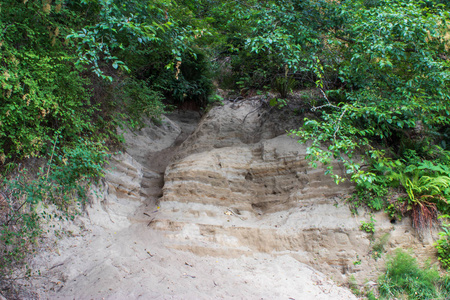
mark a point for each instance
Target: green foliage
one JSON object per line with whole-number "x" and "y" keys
{"x": 190, "y": 83}
{"x": 353, "y": 284}
{"x": 215, "y": 99}
{"x": 368, "y": 227}
{"x": 277, "y": 102}
{"x": 40, "y": 88}
{"x": 82, "y": 162}
{"x": 47, "y": 47}
{"x": 443, "y": 244}
{"x": 404, "y": 277}
{"x": 378, "y": 245}
{"x": 394, "y": 212}
{"x": 393, "y": 81}
{"x": 19, "y": 225}
{"x": 136, "y": 101}
{"x": 23, "y": 201}
{"x": 426, "y": 183}
{"x": 284, "y": 85}
{"x": 424, "y": 180}
{"x": 374, "y": 195}
{"x": 263, "y": 40}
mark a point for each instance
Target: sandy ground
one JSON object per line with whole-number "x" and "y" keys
{"x": 134, "y": 263}
{"x": 137, "y": 262}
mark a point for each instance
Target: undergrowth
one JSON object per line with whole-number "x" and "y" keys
{"x": 443, "y": 244}
{"x": 378, "y": 246}
{"x": 58, "y": 191}
{"x": 415, "y": 185}
{"x": 405, "y": 279}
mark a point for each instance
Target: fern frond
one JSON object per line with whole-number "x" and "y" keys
{"x": 434, "y": 185}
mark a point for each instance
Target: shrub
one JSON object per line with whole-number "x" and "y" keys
{"x": 136, "y": 101}
{"x": 41, "y": 90}
{"x": 191, "y": 82}
{"x": 75, "y": 168}
{"x": 415, "y": 186}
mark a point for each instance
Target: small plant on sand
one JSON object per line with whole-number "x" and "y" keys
{"x": 378, "y": 246}
{"x": 354, "y": 286}
{"x": 368, "y": 227}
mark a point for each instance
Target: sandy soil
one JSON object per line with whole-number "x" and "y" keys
{"x": 134, "y": 263}
{"x": 137, "y": 262}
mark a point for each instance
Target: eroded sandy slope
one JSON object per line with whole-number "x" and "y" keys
{"x": 233, "y": 211}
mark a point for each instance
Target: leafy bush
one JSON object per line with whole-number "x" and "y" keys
{"x": 75, "y": 168}
{"x": 215, "y": 100}
{"x": 374, "y": 195}
{"x": 41, "y": 89}
{"x": 136, "y": 101}
{"x": 265, "y": 39}
{"x": 382, "y": 100}
{"x": 191, "y": 82}
{"x": 47, "y": 50}
{"x": 404, "y": 276}
{"x": 412, "y": 185}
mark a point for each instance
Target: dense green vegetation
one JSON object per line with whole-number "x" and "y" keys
{"x": 404, "y": 278}
{"x": 72, "y": 71}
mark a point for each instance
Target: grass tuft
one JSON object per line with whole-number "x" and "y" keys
{"x": 405, "y": 279}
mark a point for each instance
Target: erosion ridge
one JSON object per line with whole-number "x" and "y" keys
{"x": 226, "y": 208}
